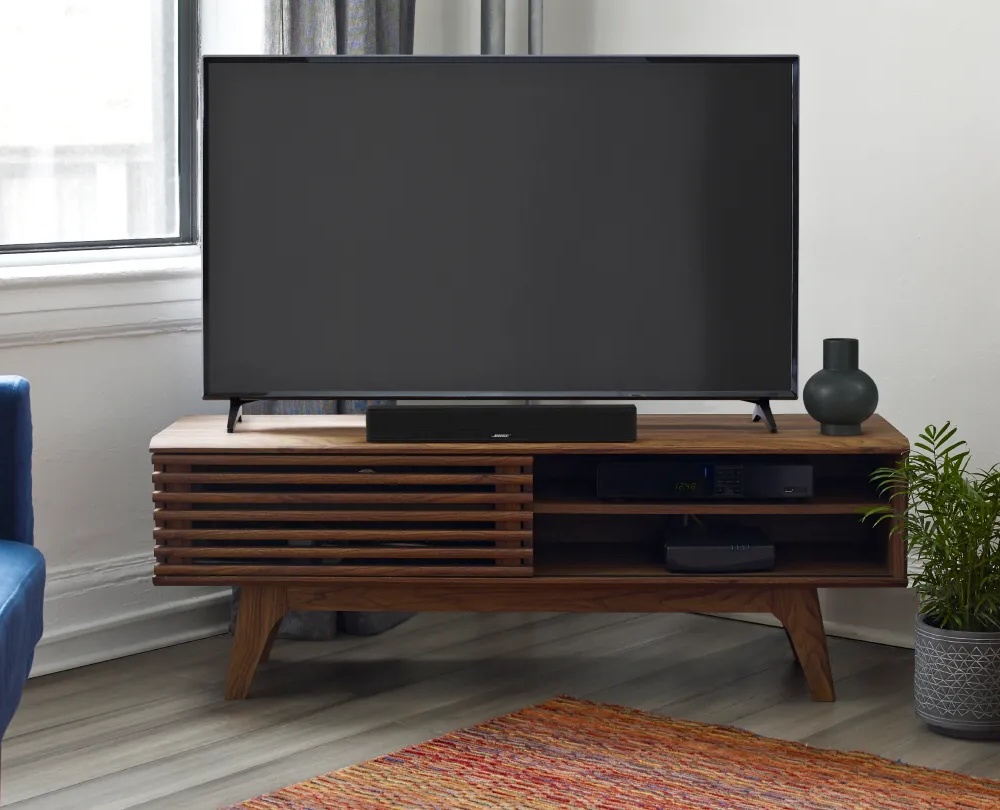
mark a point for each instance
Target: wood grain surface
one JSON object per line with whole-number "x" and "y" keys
{"x": 666, "y": 434}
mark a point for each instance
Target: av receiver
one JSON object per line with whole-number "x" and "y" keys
{"x": 657, "y": 480}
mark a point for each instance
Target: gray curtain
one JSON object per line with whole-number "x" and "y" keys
{"x": 327, "y": 28}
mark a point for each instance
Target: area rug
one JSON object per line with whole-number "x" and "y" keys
{"x": 569, "y": 753}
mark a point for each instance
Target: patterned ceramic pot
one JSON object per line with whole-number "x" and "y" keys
{"x": 957, "y": 681}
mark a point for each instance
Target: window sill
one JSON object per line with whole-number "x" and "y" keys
{"x": 88, "y": 295}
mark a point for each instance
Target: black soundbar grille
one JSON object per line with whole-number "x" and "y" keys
{"x": 501, "y": 423}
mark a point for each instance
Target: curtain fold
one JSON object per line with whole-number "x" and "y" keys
{"x": 348, "y": 27}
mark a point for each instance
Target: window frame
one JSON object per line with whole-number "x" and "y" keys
{"x": 185, "y": 56}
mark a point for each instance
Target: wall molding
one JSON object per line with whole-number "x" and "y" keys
{"x": 44, "y": 336}
{"x": 886, "y": 636}
{"x": 124, "y": 297}
{"x": 876, "y": 615}
{"x": 99, "y": 611}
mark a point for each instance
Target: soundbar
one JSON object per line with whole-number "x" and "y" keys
{"x": 418, "y": 424}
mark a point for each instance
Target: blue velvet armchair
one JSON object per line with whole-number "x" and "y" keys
{"x": 22, "y": 567}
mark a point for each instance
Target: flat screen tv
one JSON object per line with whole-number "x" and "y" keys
{"x": 500, "y": 227}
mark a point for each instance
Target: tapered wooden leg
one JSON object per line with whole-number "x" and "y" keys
{"x": 261, "y": 608}
{"x": 799, "y": 611}
{"x": 795, "y": 655}
{"x": 266, "y": 655}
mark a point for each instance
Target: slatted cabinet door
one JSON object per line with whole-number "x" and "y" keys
{"x": 306, "y": 515}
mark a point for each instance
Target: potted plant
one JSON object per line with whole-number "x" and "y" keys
{"x": 952, "y": 531}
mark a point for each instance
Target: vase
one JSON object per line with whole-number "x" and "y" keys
{"x": 840, "y": 396}
{"x": 956, "y": 681}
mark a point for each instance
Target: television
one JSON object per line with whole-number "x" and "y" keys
{"x": 568, "y": 228}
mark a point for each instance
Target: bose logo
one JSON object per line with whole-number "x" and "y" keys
{"x": 501, "y": 435}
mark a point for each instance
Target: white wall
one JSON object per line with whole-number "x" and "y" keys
{"x": 900, "y": 195}
{"x": 899, "y": 182}
{"x": 112, "y": 358}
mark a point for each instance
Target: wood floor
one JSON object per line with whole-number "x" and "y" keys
{"x": 152, "y": 731}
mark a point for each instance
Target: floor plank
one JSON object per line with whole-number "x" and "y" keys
{"x": 153, "y": 731}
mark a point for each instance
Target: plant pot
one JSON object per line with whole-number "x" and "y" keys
{"x": 840, "y": 396}
{"x": 956, "y": 681}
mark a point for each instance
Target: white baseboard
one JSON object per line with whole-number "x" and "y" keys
{"x": 878, "y": 615}
{"x": 104, "y": 610}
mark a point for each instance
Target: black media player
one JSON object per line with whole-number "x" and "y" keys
{"x": 645, "y": 480}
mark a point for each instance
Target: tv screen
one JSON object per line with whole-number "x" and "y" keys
{"x": 536, "y": 227}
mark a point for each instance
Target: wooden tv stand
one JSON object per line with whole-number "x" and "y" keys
{"x": 304, "y": 514}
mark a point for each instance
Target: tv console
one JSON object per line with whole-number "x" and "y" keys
{"x": 303, "y": 513}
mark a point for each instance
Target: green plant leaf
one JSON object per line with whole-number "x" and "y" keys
{"x": 951, "y": 522}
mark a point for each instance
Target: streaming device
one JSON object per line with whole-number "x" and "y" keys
{"x": 735, "y": 558}
{"x": 719, "y": 550}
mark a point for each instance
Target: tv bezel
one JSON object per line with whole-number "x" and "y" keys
{"x": 334, "y": 393}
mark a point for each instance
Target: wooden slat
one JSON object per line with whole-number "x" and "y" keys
{"x": 181, "y": 490}
{"x": 357, "y": 498}
{"x": 300, "y": 460}
{"x": 344, "y": 479}
{"x": 336, "y": 516}
{"x": 333, "y": 553}
{"x": 380, "y": 535}
{"x": 505, "y": 523}
{"x": 336, "y": 571}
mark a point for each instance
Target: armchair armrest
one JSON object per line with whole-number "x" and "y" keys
{"x": 16, "y": 513}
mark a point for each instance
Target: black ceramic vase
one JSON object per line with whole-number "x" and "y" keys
{"x": 841, "y": 396}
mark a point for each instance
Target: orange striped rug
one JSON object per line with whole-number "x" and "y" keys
{"x": 570, "y": 753}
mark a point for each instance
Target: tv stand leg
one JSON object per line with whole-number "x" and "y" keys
{"x": 762, "y": 410}
{"x": 262, "y": 607}
{"x": 799, "y": 611}
{"x": 235, "y": 404}
{"x": 791, "y": 644}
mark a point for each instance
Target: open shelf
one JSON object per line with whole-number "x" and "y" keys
{"x": 840, "y": 505}
{"x": 644, "y": 560}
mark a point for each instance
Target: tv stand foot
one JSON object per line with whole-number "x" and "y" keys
{"x": 795, "y": 655}
{"x": 235, "y": 404}
{"x": 799, "y": 611}
{"x": 262, "y": 607}
{"x": 762, "y": 410}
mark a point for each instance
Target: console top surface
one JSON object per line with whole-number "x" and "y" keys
{"x": 657, "y": 434}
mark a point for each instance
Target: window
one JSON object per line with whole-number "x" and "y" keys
{"x": 97, "y": 136}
